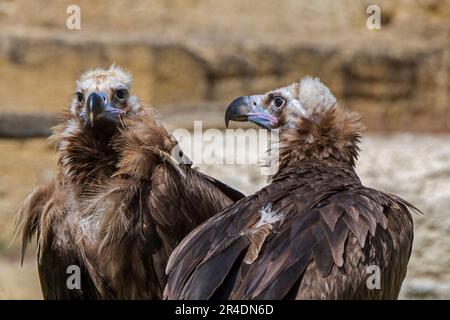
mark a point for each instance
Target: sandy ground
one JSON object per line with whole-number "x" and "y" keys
{"x": 416, "y": 167}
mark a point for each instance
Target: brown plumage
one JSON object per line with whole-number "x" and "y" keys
{"x": 314, "y": 231}
{"x": 120, "y": 201}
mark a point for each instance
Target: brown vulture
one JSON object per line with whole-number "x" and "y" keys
{"x": 121, "y": 201}
{"x": 315, "y": 232}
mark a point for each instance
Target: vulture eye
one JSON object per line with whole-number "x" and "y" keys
{"x": 278, "y": 103}
{"x": 121, "y": 94}
{"x": 80, "y": 97}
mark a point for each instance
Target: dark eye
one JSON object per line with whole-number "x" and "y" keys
{"x": 278, "y": 102}
{"x": 80, "y": 97}
{"x": 121, "y": 94}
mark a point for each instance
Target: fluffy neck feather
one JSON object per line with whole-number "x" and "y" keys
{"x": 333, "y": 138}
{"x": 143, "y": 143}
{"x": 83, "y": 156}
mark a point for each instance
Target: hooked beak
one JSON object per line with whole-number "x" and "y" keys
{"x": 246, "y": 108}
{"x": 99, "y": 111}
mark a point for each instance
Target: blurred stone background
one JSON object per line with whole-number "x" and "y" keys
{"x": 190, "y": 57}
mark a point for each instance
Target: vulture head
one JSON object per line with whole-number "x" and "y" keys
{"x": 87, "y": 137}
{"x": 310, "y": 122}
{"x": 103, "y": 98}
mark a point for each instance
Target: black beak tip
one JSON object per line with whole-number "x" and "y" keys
{"x": 237, "y": 110}
{"x": 95, "y": 105}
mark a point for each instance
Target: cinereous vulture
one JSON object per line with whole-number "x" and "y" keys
{"x": 315, "y": 232}
{"x": 120, "y": 202}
